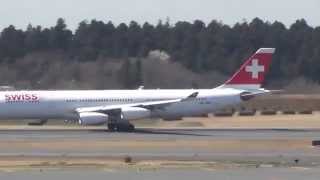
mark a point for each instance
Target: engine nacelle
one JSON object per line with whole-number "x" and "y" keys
{"x": 133, "y": 113}
{"x": 92, "y": 118}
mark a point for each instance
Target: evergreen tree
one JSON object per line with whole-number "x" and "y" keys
{"x": 198, "y": 46}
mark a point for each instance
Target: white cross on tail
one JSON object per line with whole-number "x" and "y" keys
{"x": 255, "y": 69}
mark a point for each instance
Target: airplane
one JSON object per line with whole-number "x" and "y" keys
{"x": 117, "y": 108}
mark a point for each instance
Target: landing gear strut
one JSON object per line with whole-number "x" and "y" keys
{"x": 112, "y": 127}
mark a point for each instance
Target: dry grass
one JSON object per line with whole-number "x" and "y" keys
{"x": 259, "y": 121}
{"x": 295, "y": 102}
{"x": 297, "y": 121}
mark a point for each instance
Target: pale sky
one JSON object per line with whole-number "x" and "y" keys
{"x": 45, "y": 12}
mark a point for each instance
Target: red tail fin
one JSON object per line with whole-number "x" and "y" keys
{"x": 252, "y": 73}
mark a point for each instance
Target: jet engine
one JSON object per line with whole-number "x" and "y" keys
{"x": 92, "y": 118}
{"x": 133, "y": 113}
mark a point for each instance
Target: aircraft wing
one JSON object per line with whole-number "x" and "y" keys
{"x": 147, "y": 105}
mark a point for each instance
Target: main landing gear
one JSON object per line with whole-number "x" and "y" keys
{"x": 121, "y": 127}
{"x": 118, "y": 123}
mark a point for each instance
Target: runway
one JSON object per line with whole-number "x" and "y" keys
{"x": 161, "y": 174}
{"x": 165, "y": 144}
{"x": 159, "y": 134}
{"x": 79, "y": 153}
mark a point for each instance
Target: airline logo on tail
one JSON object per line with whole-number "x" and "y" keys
{"x": 255, "y": 69}
{"x": 252, "y": 73}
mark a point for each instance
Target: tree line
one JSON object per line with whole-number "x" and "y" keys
{"x": 198, "y": 46}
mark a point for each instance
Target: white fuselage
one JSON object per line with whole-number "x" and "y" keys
{"x": 62, "y": 104}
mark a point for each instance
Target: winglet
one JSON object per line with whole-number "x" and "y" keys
{"x": 193, "y": 95}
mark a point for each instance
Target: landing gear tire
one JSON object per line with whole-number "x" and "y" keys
{"x": 131, "y": 127}
{"x": 121, "y": 127}
{"x": 125, "y": 128}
